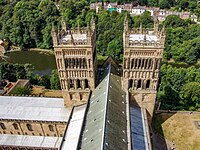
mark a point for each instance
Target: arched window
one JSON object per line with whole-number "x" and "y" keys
{"x": 132, "y": 64}
{"x": 86, "y": 83}
{"x": 84, "y": 63}
{"x": 139, "y": 85}
{"x": 29, "y": 127}
{"x": 81, "y": 97}
{"x": 139, "y": 63}
{"x": 142, "y": 63}
{"x": 135, "y": 65}
{"x": 78, "y": 83}
{"x": 15, "y": 125}
{"x": 148, "y": 84}
{"x": 130, "y": 84}
{"x": 3, "y": 126}
{"x": 51, "y": 128}
{"x": 66, "y": 63}
{"x": 71, "y": 85}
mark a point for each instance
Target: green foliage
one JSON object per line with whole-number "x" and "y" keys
{"x": 190, "y": 95}
{"x": 153, "y": 3}
{"x": 44, "y": 81}
{"x": 22, "y": 91}
{"x": 109, "y": 34}
{"x": 54, "y": 80}
{"x": 174, "y": 92}
{"x": 182, "y": 43}
{"x": 145, "y": 19}
{"x": 12, "y": 72}
{"x": 26, "y": 23}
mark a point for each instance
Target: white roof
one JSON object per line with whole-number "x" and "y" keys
{"x": 76, "y": 37}
{"x": 140, "y": 37}
{"x": 33, "y": 108}
{"x": 30, "y": 141}
{"x": 72, "y": 135}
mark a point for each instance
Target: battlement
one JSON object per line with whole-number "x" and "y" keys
{"x": 76, "y": 36}
{"x": 143, "y": 37}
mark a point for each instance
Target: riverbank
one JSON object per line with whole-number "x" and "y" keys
{"x": 31, "y": 49}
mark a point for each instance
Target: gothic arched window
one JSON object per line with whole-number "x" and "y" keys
{"x": 148, "y": 84}
{"x": 130, "y": 84}
{"x": 78, "y": 83}
{"x": 139, "y": 84}
{"x": 86, "y": 83}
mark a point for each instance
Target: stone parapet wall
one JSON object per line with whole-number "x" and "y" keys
{"x": 35, "y": 128}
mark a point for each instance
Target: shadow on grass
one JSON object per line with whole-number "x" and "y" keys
{"x": 158, "y": 140}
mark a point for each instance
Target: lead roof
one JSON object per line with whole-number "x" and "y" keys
{"x": 105, "y": 124}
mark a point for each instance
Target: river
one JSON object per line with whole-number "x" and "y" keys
{"x": 43, "y": 62}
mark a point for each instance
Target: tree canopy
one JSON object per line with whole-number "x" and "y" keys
{"x": 179, "y": 88}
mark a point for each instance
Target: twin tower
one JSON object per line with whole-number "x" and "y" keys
{"x": 75, "y": 52}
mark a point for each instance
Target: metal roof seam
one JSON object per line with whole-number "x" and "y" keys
{"x": 106, "y": 105}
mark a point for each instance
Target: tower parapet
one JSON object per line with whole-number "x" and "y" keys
{"x": 76, "y": 61}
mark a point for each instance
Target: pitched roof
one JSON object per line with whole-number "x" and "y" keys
{"x": 105, "y": 124}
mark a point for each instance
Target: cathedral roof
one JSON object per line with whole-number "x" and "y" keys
{"x": 105, "y": 124}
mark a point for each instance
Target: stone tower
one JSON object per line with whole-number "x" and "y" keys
{"x": 143, "y": 50}
{"x": 76, "y": 61}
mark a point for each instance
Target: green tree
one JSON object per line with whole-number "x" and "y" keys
{"x": 114, "y": 49}
{"x": 22, "y": 91}
{"x": 190, "y": 95}
{"x": 164, "y": 4}
{"x": 54, "y": 80}
{"x": 153, "y": 2}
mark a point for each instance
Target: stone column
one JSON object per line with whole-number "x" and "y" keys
{"x": 134, "y": 63}
{"x": 145, "y": 61}
{"x": 126, "y": 64}
{"x": 83, "y": 84}
{"x": 137, "y": 64}
{"x": 149, "y": 63}
{"x": 158, "y": 64}
{"x": 75, "y": 84}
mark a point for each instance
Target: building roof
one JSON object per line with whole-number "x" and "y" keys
{"x": 139, "y": 130}
{"x": 105, "y": 124}
{"x": 34, "y": 108}
{"x": 76, "y": 37}
{"x": 140, "y": 37}
{"x": 71, "y": 137}
{"x": 30, "y": 141}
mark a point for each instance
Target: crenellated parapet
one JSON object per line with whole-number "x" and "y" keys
{"x": 143, "y": 37}
{"x": 74, "y": 36}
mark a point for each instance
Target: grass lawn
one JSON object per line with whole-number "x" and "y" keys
{"x": 41, "y": 91}
{"x": 179, "y": 128}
